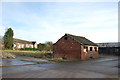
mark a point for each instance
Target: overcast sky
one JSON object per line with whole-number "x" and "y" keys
{"x": 48, "y": 21}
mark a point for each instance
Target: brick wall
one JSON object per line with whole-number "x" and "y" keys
{"x": 72, "y": 49}
{"x": 86, "y": 55}
{"x": 67, "y": 48}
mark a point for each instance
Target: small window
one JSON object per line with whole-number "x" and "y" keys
{"x": 95, "y": 48}
{"x": 90, "y": 48}
{"x": 65, "y": 38}
{"x": 85, "y": 49}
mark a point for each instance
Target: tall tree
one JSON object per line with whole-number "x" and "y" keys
{"x": 41, "y": 47}
{"x": 49, "y": 46}
{"x": 8, "y": 39}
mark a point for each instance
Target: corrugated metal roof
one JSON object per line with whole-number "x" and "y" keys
{"x": 109, "y": 44}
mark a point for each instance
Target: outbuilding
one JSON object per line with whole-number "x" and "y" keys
{"x": 75, "y": 47}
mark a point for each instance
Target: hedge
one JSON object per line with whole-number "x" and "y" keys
{"x": 30, "y": 49}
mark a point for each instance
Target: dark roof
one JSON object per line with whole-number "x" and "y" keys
{"x": 16, "y": 40}
{"x": 21, "y": 41}
{"x": 82, "y": 40}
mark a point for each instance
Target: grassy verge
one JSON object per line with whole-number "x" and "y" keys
{"x": 65, "y": 60}
{"x": 61, "y": 60}
{"x": 24, "y": 51}
{"x": 53, "y": 60}
{"x": 36, "y": 54}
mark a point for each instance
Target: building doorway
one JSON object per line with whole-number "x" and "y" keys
{"x": 91, "y": 52}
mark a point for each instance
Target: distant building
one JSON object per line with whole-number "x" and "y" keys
{"x": 109, "y": 44}
{"x": 76, "y": 47}
{"x": 21, "y": 44}
{"x": 109, "y": 48}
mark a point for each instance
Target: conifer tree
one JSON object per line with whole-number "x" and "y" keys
{"x": 8, "y": 39}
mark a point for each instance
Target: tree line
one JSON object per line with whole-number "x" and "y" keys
{"x": 48, "y": 46}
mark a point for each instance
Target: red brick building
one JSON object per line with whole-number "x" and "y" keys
{"x": 75, "y": 47}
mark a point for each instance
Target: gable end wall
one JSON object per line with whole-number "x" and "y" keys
{"x": 67, "y": 48}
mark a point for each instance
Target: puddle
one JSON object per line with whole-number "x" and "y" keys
{"x": 21, "y": 61}
{"x": 32, "y": 59}
{"x": 41, "y": 60}
{"x": 9, "y": 62}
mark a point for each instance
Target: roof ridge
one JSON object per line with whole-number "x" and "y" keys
{"x": 22, "y": 40}
{"x": 81, "y": 39}
{"x": 73, "y": 35}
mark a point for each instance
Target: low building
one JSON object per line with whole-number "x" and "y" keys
{"x": 21, "y": 44}
{"x": 75, "y": 47}
{"x": 109, "y": 48}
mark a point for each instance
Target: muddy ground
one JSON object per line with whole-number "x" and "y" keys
{"x": 104, "y": 67}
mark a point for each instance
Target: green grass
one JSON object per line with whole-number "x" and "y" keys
{"x": 36, "y": 54}
{"x": 24, "y": 51}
